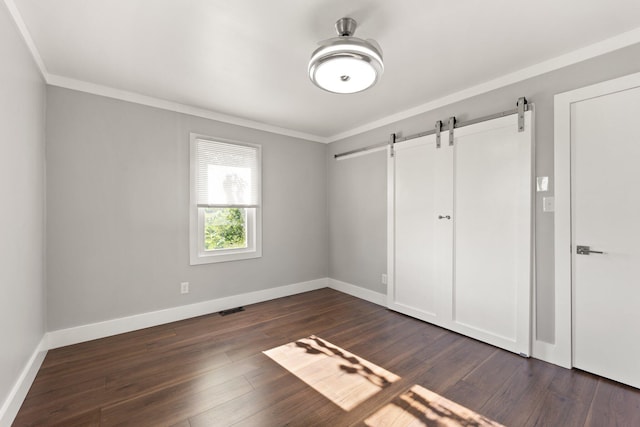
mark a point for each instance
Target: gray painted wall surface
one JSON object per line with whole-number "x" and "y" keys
{"x": 118, "y": 211}
{"x": 357, "y": 186}
{"x": 22, "y": 92}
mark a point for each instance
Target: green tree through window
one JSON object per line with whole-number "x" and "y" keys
{"x": 225, "y": 228}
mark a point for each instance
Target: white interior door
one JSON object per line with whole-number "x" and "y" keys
{"x": 419, "y": 187}
{"x": 605, "y": 144}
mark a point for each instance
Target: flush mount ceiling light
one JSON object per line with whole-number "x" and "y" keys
{"x": 346, "y": 64}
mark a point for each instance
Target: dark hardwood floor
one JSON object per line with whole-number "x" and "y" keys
{"x": 210, "y": 371}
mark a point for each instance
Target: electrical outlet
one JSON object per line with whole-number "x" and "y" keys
{"x": 184, "y": 287}
{"x": 383, "y": 279}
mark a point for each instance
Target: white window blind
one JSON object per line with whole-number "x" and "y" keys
{"x": 227, "y": 175}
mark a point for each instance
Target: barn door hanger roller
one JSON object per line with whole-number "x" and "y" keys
{"x": 522, "y": 106}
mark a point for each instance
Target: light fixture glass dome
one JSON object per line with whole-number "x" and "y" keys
{"x": 346, "y": 64}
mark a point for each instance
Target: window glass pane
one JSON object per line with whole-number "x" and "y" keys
{"x": 225, "y": 228}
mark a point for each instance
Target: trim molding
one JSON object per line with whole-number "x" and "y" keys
{"x": 358, "y": 292}
{"x": 149, "y": 101}
{"x": 75, "y": 335}
{"x": 26, "y": 36}
{"x": 78, "y": 334}
{"x": 18, "y": 392}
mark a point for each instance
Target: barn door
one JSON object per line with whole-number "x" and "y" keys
{"x": 420, "y": 201}
{"x": 460, "y": 227}
{"x": 491, "y": 290}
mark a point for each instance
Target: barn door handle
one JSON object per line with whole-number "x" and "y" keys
{"x": 586, "y": 250}
{"x": 444, "y": 217}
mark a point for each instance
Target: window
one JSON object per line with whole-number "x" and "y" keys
{"x": 225, "y": 214}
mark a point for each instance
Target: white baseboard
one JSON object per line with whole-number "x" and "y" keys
{"x": 75, "y": 335}
{"x": 358, "y": 292}
{"x": 121, "y": 325}
{"x": 19, "y": 391}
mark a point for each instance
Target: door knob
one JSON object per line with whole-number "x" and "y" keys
{"x": 586, "y": 250}
{"x": 444, "y": 217}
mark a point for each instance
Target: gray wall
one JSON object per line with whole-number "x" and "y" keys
{"x": 118, "y": 211}
{"x": 22, "y": 309}
{"x": 357, "y": 186}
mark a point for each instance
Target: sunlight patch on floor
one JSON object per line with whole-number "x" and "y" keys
{"x": 419, "y": 407}
{"x": 345, "y": 379}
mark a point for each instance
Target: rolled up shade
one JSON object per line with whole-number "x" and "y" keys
{"x": 228, "y": 175}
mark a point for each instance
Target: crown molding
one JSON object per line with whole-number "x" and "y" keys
{"x": 26, "y": 36}
{"x": 600, "y": 48}
{"x": 123, "y": 95}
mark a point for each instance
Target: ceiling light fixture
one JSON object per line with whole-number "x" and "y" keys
{"x": 346, "y": 64}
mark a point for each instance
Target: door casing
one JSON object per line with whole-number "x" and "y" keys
{"x": 560, "y": 353}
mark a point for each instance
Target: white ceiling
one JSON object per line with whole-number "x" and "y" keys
{"x": 248, "y": 58}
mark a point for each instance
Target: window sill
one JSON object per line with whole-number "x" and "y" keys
{"x": 225, "y": 257}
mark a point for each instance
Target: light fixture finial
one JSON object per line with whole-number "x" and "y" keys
{"x": 346, "y": 27}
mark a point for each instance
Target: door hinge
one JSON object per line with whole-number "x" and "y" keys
{"x": 438, "y": 130}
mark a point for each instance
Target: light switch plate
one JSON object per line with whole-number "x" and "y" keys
{"x": 548, "y": 204}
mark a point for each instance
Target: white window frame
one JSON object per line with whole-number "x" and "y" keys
{"x": 197, "y": 254}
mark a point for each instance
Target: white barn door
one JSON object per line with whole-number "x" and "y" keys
{"x": 419, "y": 192}
{"x": 460, "y": 231}
{"x": 491, "y": 291}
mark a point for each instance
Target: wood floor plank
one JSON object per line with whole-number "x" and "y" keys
{"x": 141, "y": 379}
{"x": 558, "y": 410}
{"x": 344, "y": 378}
{"x": 88, "y": 419}
{"x": 296, "y": 410}
{"x": 614, "y": 404}
{"x": 211, "y": 371}
{"x": 568, "y": 401}
{"x": 477, "y": 387}
{"x": 270, "y": 387}
{"x": 522, "y": 394}
{"x": 175, "y": 403}
{"x": 575, "y": 385}
{"x": 61, "y": 410}
{"x": 419, "y": 406}
{"x": 454, "y": 364}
